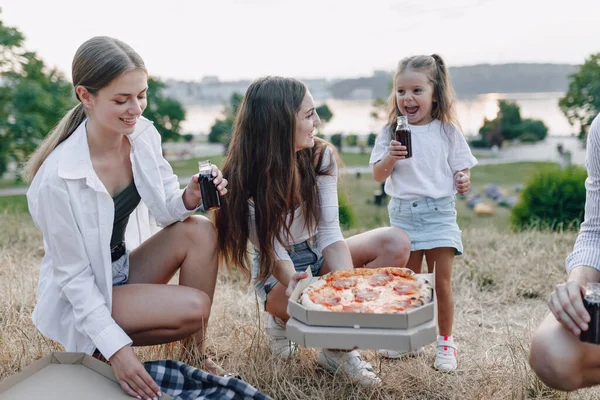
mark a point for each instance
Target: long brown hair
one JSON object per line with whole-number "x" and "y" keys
{"x": 96, "y": 64}
{"x": 262, "y": 165}
{"x": 443, "y": 92}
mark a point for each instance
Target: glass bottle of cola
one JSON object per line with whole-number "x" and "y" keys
{"x": 403, "y": 134}
{"x": 208, "y": 190}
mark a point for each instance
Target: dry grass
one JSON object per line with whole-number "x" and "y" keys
{"x": 501, "y": 286}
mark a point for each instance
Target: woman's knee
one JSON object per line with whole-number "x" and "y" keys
{"x": 556, "y": 362}
{"x": 397, "y": 243}
{"x": 197, "y": 305}
{"x": 200, "y": 230}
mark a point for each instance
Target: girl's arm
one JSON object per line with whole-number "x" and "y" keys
{"x": 72, "y": 271}
{"x": 174, "y": 195}
{"x": 328, "y": 229}
{"x": 283, "y": 272}
{"x": 385, "y": 154}
{"x": 383, "y": 169}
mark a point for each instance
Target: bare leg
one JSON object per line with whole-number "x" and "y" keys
{"x": 415, "y": 262}
{"x": 560, "y": 360}
{"x": 381, "y": 247}
{"x": 152, "y": 312}
{"x": 443, "y": 258}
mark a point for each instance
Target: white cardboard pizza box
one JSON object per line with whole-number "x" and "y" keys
{"x": 340, "y": 330}
{"x": 64, "y": 376}
{"x": 405, "y": 320}
{"x": 329, "y": 337}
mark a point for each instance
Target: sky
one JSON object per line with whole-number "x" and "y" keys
{"x": 235, "y": 39}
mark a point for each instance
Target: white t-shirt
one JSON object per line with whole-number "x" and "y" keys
{"x": 328, "y": 228}
{"x": 439, "y": 151}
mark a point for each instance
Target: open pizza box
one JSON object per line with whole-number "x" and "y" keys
{"x": 405, "y": 331}
{"x": 64, "y": 376}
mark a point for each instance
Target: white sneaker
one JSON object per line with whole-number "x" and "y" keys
{"x": 393, "y": 354}
{"x": 349, "y": 363}
{"x": 445, "y": 356}
{"x": 280, "y": 346}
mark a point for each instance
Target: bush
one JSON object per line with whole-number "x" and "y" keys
{"x": 346, "y": 212}
{"x": 336, "y": 140}
{"x": 352, "y": 140}
{"x": 371, "y": 139}
{"x": 552, "y": 199}
{"x": 479, "y": 143}
{"x": 533, "y": 128}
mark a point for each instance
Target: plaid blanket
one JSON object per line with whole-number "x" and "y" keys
{"x": 184, "y": 382}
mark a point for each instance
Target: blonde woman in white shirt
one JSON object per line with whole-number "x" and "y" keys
{"x": 423, "y": 187}
{"x": 100, "y": 189}
{"x": 283, "y": 199}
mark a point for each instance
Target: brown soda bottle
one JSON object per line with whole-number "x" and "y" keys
{"x": 403, "y": 134}
{"x": 208, "y": 190}
{"x": 591, "y": 302}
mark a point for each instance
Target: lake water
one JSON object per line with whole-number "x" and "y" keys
{"x": 354, "y": 116}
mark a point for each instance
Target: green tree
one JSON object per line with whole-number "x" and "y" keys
{"x": 352, "y": 139}
{"x": 167, "y": 113}
{"x": 509, "y": 125}
{"x": 325, "y": 114}
{"x": 33, "y": 98}
{"x": 221, "y": 129}
{"x": 582, "y": 100}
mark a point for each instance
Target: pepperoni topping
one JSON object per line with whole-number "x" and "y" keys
{"x": 404, "y": 288}
{"x": 362, "y": 295}
{"x": 379, "y": 279}
{"x": 328, "y": 300}
{"x": 396, "y": 306}
{"x": 343, "y": 283}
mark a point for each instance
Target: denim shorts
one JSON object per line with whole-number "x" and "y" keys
{"x": 120, "y": 270}
{"x": 429, "y": 223}
{"x": 303, "y": 255}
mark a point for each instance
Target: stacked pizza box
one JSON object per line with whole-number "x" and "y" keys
{"x": 406, "y": 331}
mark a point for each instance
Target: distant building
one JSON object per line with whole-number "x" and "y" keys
{"x": 210, "y": 79}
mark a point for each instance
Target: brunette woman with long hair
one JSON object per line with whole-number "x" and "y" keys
{"x": 283, "y": 199}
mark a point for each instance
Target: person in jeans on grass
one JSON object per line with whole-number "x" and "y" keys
{"x": 283, "y": 199}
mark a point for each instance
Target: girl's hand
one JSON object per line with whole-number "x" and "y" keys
{"x": 566, "y": 304}
{"x": 132, "y": 376}
{"x": 192, "y": 196}
{"x": 462, "y": 182}
{"x": 297, "y": 277}
{"x": 219, "y": 181}
{"x": 397, "y": 150}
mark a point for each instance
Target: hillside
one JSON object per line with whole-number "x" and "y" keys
{"x": 467, "y": 80}
{"x": 471, "y": 80}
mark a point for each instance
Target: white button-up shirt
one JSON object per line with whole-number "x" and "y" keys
{"x": 75, "y": 213}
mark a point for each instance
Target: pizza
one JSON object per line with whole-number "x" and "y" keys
{"x": 388, "y": 290}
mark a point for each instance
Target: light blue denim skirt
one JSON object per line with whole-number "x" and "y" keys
{"x": 429, "y": 223}
{"x": 303, "y": 255}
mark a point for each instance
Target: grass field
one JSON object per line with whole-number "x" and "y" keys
{"x": 501, "y": 285}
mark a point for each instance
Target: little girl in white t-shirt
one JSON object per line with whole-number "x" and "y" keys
{"x": 423, "y": 187}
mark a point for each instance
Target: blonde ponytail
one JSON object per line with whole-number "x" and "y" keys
{"x": 65, "y": 127}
